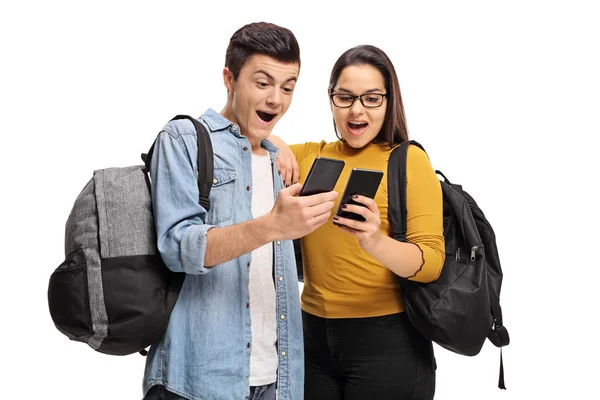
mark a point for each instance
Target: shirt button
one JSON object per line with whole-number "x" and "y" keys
{"x": 248, "y": 188}
{"x": 248, "y": 345}
{"x": 215, "y": 181}
{"x": 282, "y": 316}
{"x": 280, "y": 278}
{"x": 283, "y": 353}
{"x": 248, "y": 265}
{"x": 278, "y": 243}
{"x": 245, "y": 148}
{"x": 247, "y": 305}
{"x": 234, "y": 128}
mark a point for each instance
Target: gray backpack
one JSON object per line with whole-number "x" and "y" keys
{"x": 113, "y": 290}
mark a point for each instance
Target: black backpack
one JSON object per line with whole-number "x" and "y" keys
{"x": 461, "y": 308}
{"x": 113, "y": 290}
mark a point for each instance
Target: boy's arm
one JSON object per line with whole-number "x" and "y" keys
{"x": 291, "y": 217}
{"x": 186, "y": 243}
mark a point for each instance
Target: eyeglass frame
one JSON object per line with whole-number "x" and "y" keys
{"x": 359, "y": 97}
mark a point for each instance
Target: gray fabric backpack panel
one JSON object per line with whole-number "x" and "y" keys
{"x": 124, "y": 212}
{"x": 81, "y": 245}
{"x": 81, "y": 230}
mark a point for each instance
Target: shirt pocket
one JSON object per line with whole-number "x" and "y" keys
{"x": 221, "y": 196}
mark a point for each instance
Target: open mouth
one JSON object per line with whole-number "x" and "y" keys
{"x": 357, "y": 128}
{"x": 265, "y": 116}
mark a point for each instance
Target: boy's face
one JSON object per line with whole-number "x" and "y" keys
{"x": 260, "y": 96}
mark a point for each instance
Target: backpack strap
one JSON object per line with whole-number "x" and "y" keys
{"x": 397, "y": 189}
{"x": 205, "y": 177}
{"x": 205, "y": 160}
{"x": 499, "y": 336}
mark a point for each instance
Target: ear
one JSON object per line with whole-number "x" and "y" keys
{"x": 228, "y": 79}
{"x": 330, "y": 102}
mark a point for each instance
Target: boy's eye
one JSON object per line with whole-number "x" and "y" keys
{"x": 263, "y": 84}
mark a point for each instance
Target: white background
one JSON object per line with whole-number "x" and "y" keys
{"x": 503, "y": 95}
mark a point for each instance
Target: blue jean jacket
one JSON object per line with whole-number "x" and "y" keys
{"x": 205, "y": 353}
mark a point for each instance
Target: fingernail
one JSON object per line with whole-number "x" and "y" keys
{"x": 336, "y": 218}
{"x": 344, "y": 206}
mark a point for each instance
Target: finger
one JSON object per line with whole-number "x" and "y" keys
{"x": 285, "y": 175}
{"x": 281, "y": 170}
{"x": 319, "y": 209}
{"x": 370, "y": 203}
{"x": 295, "y": 171}
{"x": 293, "y": 190}
{"x": 319, "y": 198}
{"x": 319, "y": 220}
{"x": 360, "y": 210}
{"x": 347, "y": 230}
{"x": 350, "y": 223}
{"x": 289, "y": 174}
{"x": 278, "y": 164}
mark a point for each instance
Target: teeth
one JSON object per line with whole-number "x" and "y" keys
{"x": 358, "y": 124}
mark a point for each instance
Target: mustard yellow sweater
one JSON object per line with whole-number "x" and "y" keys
{"x": 341, "y": 280}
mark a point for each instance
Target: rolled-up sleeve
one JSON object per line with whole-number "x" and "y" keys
{"x": 424, "y": 206}
{"x": 179, "y": 218}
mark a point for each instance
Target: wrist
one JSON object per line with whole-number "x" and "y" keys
{"x": 371, "y": 243}
{"x": 269, "y": 227}
{"x": 276, "y": 141}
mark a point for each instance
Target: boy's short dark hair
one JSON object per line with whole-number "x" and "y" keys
{"x": 261, "y": 38}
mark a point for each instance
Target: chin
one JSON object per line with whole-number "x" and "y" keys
{"x": 356, "y": 142}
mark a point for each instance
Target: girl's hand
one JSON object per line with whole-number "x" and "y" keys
{"x": 287, "y": 164}
{"x": 368, "y": 231}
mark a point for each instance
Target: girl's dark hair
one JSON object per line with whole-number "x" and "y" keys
{"x": 394, "y": 130}
{"x": 260, "y": 38}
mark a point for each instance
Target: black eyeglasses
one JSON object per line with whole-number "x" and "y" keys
{"x": 368, "y": 100}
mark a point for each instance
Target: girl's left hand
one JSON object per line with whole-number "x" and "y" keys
{"x": 367, "y": 231}
{"x": 287, "y": 165}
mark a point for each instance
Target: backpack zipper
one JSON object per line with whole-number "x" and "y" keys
{"x": 458, "y": 254}
{"x": 473, "y": 250}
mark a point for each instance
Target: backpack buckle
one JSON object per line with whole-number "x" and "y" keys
{"x": 499, "y": 336}
{"x": 205, "y": 202}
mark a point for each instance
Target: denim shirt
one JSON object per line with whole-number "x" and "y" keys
{"x": 205, "y": 353}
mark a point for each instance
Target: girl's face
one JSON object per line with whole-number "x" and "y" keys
{"x": 359, "y": 123}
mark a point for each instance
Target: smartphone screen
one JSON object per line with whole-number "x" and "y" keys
{"x": 323, "y": 176}
{"x": 364, "y": 182}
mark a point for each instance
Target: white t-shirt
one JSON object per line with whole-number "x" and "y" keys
{"x": 263, "y": 360}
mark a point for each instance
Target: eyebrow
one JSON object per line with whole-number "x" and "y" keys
{"x": 270, "y": 77}
{"x": 365, "y": 92}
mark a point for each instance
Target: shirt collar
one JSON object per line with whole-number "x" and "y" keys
{"x": 217, "y": 122}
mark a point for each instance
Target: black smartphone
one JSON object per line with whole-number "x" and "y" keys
{"x": 323, "y": 176}
{"x": 364, "y": 182}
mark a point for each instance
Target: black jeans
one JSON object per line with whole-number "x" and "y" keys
{"x": 367, "y": 358}
{"x": 266, "y": 392}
